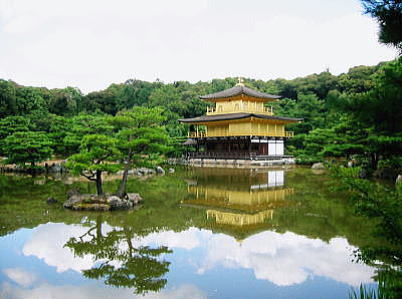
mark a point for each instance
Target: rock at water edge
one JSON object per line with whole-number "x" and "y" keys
{"x": 160, "y": 170}
{"x": 135, "y": 198}
{"x": 318, "y": 166}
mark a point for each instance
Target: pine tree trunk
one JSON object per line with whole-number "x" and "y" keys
{"x": 121, "y": 191}
{"x": 99, "y": 182}
{"x": 99, "y": 222}
{"x": 122, "y": 187}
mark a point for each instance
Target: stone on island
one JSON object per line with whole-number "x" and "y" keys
{"x": 92, "y": 202}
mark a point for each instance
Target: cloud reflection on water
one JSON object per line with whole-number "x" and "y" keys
{"x": 48, "y": 291}
{"x": 283, "y": 259}
{"x": 20, "y": 276}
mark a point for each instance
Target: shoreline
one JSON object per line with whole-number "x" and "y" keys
{"x": 232, "y": 163}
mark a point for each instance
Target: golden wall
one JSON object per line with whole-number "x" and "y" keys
{"x": 240, "y": 129}
{"x": 237, "y": 105}
{"x": 245, "y": 128}
{"x": 267, "y": 129}
{"x": 217, "y": 130}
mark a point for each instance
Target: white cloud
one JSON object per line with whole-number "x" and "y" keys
{"x": 287, "y": 259}
{"x": 20, "y": 276}
{"x": 90, "y": 44}
{"x": 48, "y": 291}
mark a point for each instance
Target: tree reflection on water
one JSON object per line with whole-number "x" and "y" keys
{"x": 120, "y": 263}
{"x": 381, "y": 205}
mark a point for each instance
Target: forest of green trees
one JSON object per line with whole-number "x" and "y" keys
{"x": 355, "y": 115}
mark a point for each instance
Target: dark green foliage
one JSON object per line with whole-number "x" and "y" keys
{"x": 357, "y": 79}
{"x": 10, "y": 125}
{"x": 380, "y": 107}
{"x": 141, "y": 139}
{"x": 8, "y": 104}
{"x": 133, "y": 137}
{"x": 97, "y": 155}
{"x": 136, "y": 93}
{"x": 389, "y": 16}
{"x": 141, "y": 135}
{"x": 77, "y": 127}
{"x": 27, "y": 147}
{"x": 106, "y": 101}
{"x": 363, "y": 122}
{"x": 180, "y": 98}
{"x": 377, "y": 114}
{"x": 307, "y": 106}
{"x": 67, "y": 101}
{"x": 29, "y": 100}
{"x": 59, "y": 128}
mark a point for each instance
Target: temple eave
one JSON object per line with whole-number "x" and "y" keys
{"x": 237, "y": 116}
{"x": 239, "y": 90}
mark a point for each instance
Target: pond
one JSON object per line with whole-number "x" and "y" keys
{"x": 200, "y": 233}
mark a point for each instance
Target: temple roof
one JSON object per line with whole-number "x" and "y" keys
{"x": 238, "y": 90}
{"x": 232, "y": 116}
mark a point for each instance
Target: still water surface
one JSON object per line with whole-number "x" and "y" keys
{"x": 200, "y": 233}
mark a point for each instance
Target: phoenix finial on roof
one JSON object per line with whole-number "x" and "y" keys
{"x": 240, "y": 81}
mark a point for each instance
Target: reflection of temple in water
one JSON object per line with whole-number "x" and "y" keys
{"x": 239, "y": 219}
{"x": 240, "y": 199}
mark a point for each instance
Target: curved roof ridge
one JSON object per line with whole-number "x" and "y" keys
{"x": 238, "y": 90}
{"x": 232, "y": 116}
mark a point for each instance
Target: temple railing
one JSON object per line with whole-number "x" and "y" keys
{"x": 289, "y": 134}
{"x": 233, "y": 155}
{"x": 194, "y": 134}
{"x": 197, "y": 134}
{"x": 263, "y": 110}
{"x": 211, "y": 110}
{"x": 222, "y": 155}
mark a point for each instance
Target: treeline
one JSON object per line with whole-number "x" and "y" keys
{"x": 356, "y": 114}
{"x": 359, "y": 119}
{"x": 180, "y": 97}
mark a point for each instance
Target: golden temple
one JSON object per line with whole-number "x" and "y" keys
{"x": 240, "y": 125}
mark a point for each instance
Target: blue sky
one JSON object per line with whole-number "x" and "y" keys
{"x": 91, "y": 44}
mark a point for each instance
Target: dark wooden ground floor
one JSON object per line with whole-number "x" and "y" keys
{"x": 253, "y": 148}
